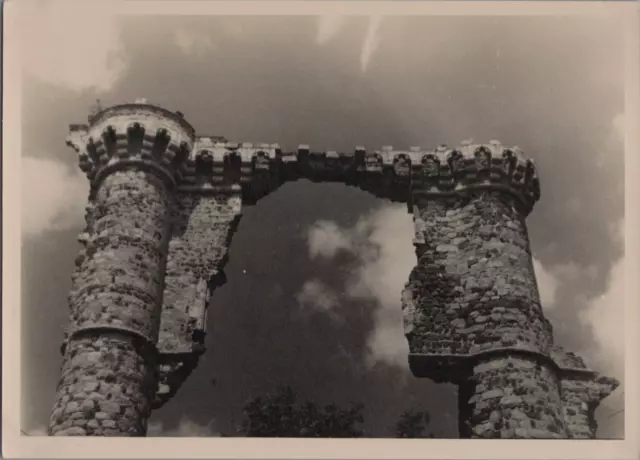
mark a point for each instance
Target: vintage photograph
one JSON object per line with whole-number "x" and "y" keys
{"x": 322, "y": 225}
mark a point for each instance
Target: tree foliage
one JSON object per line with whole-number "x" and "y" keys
{"x": 281, "y": 414}
{"x": 413, "y": 424}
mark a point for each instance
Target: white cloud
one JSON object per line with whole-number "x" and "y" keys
{"x": 386, "y": 259}
{"x": 238, "y": 29}
{"x": 547, "y": 285}
{"x": 186, "y": 428}
{"x": 551, "y": 278}
{"x": 328, "y": 27}
{"x": 619, "y": 125}
{"x": 193, "y": 44}
{"x": 382, "y": 243}
{"x": 53, "y": 196}
{"x": 605, "y": 315}
{"x": 74, "y": 44}
{"x": 613, "y": 147}
{"x": 326, "y": 239}
{"x": 371, "y": 41}
{"x": 317, "y": 296}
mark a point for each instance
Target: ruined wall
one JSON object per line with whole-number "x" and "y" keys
{"x": 202, "y": 227}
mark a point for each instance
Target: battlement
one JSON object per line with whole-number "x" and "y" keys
{"x": 215, "y": 164}
{"x": 156, "y": 137}
{"x": 392, "y": 174}
{"x": 137, "y": 132}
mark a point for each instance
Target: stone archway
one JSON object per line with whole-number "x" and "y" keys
{"x": 163, "y": 208}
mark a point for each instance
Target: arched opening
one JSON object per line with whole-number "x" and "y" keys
{"x": 312, "y": 301}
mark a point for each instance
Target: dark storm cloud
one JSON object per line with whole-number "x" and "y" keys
{"x": 551, "y": 85}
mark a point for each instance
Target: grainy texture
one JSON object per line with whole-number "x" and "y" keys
{"x": 132, "y": 156}
{"x": 117, "y": 286}
{"x": 202, "y": 227}
{"x": 512, "y": 397}
{"x": 121, "y": 265}
{"x": 473, "y": 288}
{"x": 165, "y": 204}
{"x": 581, "y": 390}
{"x": 105, "y": 388}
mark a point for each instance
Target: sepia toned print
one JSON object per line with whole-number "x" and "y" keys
{"x": 163, "y": 207}
{"x": 352, "y": 233}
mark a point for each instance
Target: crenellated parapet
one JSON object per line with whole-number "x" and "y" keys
{"x": 397, "y": 175}
{"x": 136, "y": 133}
{"x": 474, "y": 167}
{"x": 157, "y": 138}
{"x": 161, "y": 139}
{"x": 216, "y": 164}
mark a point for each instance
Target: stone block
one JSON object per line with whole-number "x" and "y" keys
{"x": 73, "y": 406}
{"x": 93, "y": 424}
{"x": 71, "y": 431}
{"x": 108, "y": 423}
{"x": 517, "y": 414}
{"x": 495, "y": 393}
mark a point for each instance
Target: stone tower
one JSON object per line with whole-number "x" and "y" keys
{"x": 164, "y": 204}
{"x": 472, "y": 309}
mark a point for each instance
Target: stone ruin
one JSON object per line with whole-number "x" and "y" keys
{"x": 164, "y": 204}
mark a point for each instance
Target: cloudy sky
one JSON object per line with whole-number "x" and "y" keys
{"x": 316, "y": 270}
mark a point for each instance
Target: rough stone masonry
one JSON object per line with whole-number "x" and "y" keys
{"x": 163, "y": 207}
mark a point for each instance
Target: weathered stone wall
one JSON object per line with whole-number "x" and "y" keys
{"x": 565, "y": 359}
{"x": 472, "y": 292}
{"x": 582, "y": 390}
{"x": 579, "y": 408}
{"x": 202, "y": 227}
{"x": 117, "y": 286}
{"x": 119, "y": 277}
{"x": 512, "y": 397}
{"x": 105, "y": 388}
{"x": 474, "y": 288}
